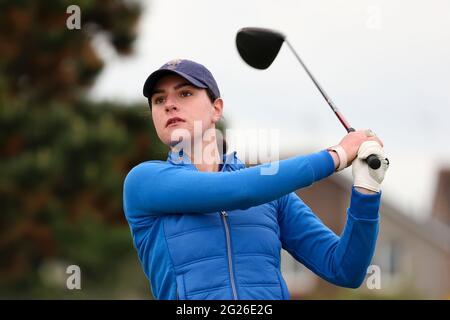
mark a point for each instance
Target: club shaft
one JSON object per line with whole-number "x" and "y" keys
{"x": 322, "y": 92}
{"x": 372, "y": 160}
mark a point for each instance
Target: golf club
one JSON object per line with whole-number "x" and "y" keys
{"x": 259, "y": 47}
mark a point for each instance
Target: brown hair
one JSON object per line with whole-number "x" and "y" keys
{"x": 222, "y": 145}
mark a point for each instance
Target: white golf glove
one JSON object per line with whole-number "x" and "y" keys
{"x": 363, "y": 175}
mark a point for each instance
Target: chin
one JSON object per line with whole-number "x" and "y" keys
{"x": 179, "y": 136}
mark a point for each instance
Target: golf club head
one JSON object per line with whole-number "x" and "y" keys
{"x": 258, "y": 46}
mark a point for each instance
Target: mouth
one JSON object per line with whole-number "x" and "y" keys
{"x": 174, "y": 121}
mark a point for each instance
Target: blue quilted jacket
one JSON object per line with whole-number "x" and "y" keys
{"x": 218, "y": 235}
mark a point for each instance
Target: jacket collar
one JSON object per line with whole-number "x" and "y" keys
{"x": 230, "y": 161}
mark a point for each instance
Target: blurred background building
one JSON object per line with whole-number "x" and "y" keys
{"x": 413, "y": 257}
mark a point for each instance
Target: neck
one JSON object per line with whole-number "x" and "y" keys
{"x": 205, "y": 156}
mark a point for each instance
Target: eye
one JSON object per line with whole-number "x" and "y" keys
{"x": 158, "y": 100}
{"x": 185, "y": 93}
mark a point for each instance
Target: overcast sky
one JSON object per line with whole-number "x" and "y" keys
{"x": 385, "y": 64}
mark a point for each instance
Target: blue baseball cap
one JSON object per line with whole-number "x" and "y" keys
{"x": 198, "y": 75}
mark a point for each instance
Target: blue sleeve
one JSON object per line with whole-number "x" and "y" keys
{"x": 152, "y": 189}
{"x": 340, "y": 260}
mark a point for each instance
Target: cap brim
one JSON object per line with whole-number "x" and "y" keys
{"x": 158, "y": 74}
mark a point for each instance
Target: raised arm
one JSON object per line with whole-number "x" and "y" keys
{"x": 340, "y": 260}
{"x": 152, "y": 189}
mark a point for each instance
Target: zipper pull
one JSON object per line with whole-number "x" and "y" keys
{"x": 224, "y": 213}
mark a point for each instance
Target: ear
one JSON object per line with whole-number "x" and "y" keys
{"x": 217, "y": 109}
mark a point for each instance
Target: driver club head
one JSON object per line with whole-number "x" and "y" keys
{"x": 259, "y": 47}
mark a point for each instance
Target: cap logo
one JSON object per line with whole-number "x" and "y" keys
{"x": 173, "y": 64}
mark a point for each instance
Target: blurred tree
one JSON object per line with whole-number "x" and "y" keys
{"x": 61, "y": 177}
{"x": 63, "y": 158}
{"x": 42, "y": 59}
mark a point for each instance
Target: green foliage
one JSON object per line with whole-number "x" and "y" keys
{"x": 63, "y": 159}
{"x": 42, "y": 59}
{"x": 61, "y": 178}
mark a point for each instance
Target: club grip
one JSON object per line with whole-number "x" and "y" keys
{"x": 373, "y": 161}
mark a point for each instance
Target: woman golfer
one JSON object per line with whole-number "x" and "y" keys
{"x": 207, "y": 227}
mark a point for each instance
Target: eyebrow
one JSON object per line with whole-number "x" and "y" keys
{"x": 178, "y": 86}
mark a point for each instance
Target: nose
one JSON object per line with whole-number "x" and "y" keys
{"x": 170, "y": 107}
{"x": 170, "y": 104}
